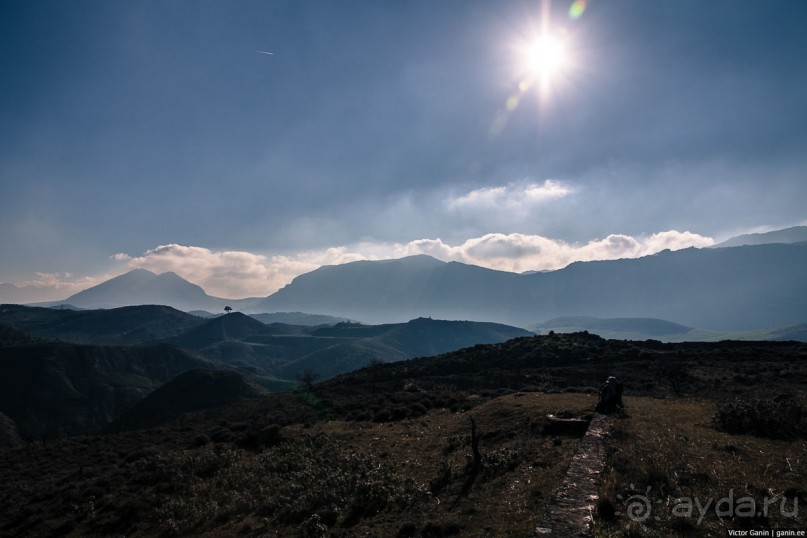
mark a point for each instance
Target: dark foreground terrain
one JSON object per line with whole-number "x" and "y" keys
{"x": 388, "y": 450}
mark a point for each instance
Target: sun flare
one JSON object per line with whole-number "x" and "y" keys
{"x": 544, "y": 57}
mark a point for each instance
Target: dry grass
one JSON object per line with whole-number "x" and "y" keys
{"x": 337, "y": 478}
{"x": 669, "y": 451}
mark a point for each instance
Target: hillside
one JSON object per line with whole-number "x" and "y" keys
{"x": 9, "y": 336}
{"x": 234, "y": 326}
{"x": 52, "y": 390}
{"x": 118, "y": 326}
{"x": 388, "y": 450}
{"x": 284, "y": 351}
{"x": 193, "y": 390}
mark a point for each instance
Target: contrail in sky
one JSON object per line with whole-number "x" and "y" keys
{"x": 264, "y": 52}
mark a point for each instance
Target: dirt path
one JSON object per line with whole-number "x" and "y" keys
{"x": 572, "y": 508}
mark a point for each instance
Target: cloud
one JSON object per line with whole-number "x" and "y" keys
{"x": 511, "y": 196}
{"x": 52, "y": 287}
{"x": 520, "y": 252}
{"x": 236, "y": 274}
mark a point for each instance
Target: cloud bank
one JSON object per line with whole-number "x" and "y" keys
{"x": 238, "y": 274}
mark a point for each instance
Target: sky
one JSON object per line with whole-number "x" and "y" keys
{"x": 161, "y": 135}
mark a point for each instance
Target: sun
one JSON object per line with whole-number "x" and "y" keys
{"x": 544, "y": 57}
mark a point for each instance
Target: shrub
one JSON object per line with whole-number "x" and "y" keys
{"x": 417, "y": 410}
{"x": 258, "y": 439}
{"x": 783, "y": 417}
{"x": 410, "y": 385}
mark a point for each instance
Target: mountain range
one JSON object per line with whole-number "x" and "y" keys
{"x": 737, "y": 288}
{"x": 732, "y": 288}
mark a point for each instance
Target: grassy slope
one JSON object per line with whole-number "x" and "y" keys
{"x": 668, "y": 450}
{"x": 363, "y": 456}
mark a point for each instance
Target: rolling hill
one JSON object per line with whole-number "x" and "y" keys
{"x": 266, "y": 352}
{"x": 193, "y": 390}
{"x": 118, "y": 326}
{"x": 283, "y": 351}
{"x": 52, "y": 390}
{"x": 393, "y": 342}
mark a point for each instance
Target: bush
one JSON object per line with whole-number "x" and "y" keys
{"x": 417, "y": 410}
{"x": 783, "y": 417}
{"x": 258, "y": 439}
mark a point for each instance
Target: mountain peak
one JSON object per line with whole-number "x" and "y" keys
{"x": 141, "y": 286}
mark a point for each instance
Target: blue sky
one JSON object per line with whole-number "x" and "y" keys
{"x": 153, "y": 134}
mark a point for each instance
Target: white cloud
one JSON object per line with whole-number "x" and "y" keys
{"x": 521, "y": 252}
{"x": 52, "y": 287}
{"x": 235, "y": 274}
{"x": 511, "y": 196}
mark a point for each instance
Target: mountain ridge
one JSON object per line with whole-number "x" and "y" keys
{"x": 734, "y": 288}
{"x": 794, "y": 234}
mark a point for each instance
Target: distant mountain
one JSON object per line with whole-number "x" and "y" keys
{"x": 142, "y": 287}
{"x": 283, "y": 351}
{"x": 298, "y": 318}
{"x": 796, "y": 234}
{"x": 796, "y": 333}
{"x": 393, "y": 342}
{"x": 392, "y": 291}
{"x": 617, "y": 328}
{"x": 665, "y": 331}
{"x": 118, "y": 326}
{"x": 716, "y": 289}
{"x": 139, "y": 287}
{"x": 52, "y": 390}
{"x": 193, "y": 390}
